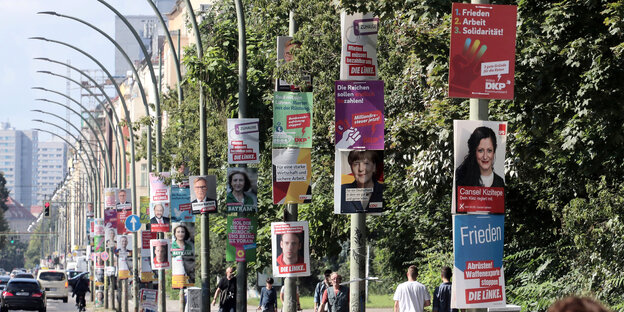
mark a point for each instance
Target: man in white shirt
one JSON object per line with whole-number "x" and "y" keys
{"x": 411, "y": 296}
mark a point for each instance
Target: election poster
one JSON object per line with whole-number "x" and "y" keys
{"x": 285, "y": 47}
{"x": 478, "y": 279}
{"x": 147, "y": 275}
{"x": 292, "y": 119}
{"x": 110, "y": 227}
{"x": 358, "y": 181}
{"x": 479, "y": 184}
{"x": 110, "y": 197}
{"x": 124, "y": 256}
{"x": 358, "y": 60}
{"x": 292, "y": 173}
{"x": 203, "y": 194}
{"x": 482, "y": 53}
{"x": 242, "y": 189}
{"x": 183, "y": 254}
{"x": 360, "y": 114}
{"x": 124, "y": 200}
{"x": 90, "y": 212}
{"x": 159, "y": 189}
{"x": 290, "y": 246}
{"x": 181, "y": 203}
{"x": 144, "y": 209}
{"x": 99, "y": 243}
{"x": 161, "y": 258}
{"x": 160, "y": 219}
{"x": 243, "y": 140}
{"x": 241, "y": 232}
{"x": 148, "y": 302}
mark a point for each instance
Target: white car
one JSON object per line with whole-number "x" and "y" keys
{"x": 54, "y": 283}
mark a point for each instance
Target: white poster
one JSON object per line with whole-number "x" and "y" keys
{"x": 358, "y": 60}
{"x": 290, "y": 244}
{"x": 243, "y": 141}
{"x": 161, "y": 258}
{"x": 358, "y": 181}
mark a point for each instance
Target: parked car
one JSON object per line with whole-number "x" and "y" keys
{"x": 23, "y": 294}
{"x": 4, "y": 279}
{"x": 54, "y": 283}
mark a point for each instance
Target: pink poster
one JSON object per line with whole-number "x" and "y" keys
{"x": 360, "y": 115}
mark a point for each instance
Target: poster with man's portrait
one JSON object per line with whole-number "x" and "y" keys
{"x": 290, "y": 246}
{"x": 110, "y": 225}
{"x": 161, "y": 258}
{"x": 160, "y": 216}
{"x": 479, "y": 184}
{"x": 124, "y": 200}
{"x": 203, "y": 194}
{"x": 292, "y": 173}
{"x": 358, "y": 181}
{"x": 242, "y": 189}
{"x": 90, "y": 211}
{"x": 183, "y": 254}
{"x": 285, "y": 47}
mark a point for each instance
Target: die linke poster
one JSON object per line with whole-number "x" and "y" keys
{"x": 243, "y": 141}
{"x": 479, "y": 184}
{"x": 358, "y": 59}
{"x": 482, "y": 53}
{"x": 292, "y": 119}
{"x": 291, "y": 176}
{"x": 290, "y": 245}
{"x": 360, "y": 115}
{"x": 159, "y": 191}
{"x": 478, "y": 279}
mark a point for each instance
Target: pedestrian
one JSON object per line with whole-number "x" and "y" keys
{"x": 320, "y": 289}
{"x": 411, "y": 296}
{"x": 577, "y": 304}
{"x": 442, "y": 293}
{"x": 268, "y": 297}
{"x": 226, "y": 291}
{"x": 337, "y": 297}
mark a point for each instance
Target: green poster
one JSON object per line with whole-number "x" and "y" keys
{"x": 98, "y": 243}
{"x": 241, "y": 233}
{"x": 292, "y": 119}
{"x": 144, "y": 216}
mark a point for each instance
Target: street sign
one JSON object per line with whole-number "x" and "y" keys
{"x": 104, "y": 256}
{"x": 133, "y": 223}
{"x": 482, "y": 54}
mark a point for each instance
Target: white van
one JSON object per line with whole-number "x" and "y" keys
{"x": 54, "y": 283}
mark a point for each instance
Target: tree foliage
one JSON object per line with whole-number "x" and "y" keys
{"x": 564, "y": 169}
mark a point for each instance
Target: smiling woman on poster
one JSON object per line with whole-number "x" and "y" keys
{"x": 365, "y": 193}
{"x": 477, "y": 169}
{"x": 239, "y": 184}
{"x": 181, "y": 245}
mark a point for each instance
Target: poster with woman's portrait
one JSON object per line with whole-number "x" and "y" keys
{"x": 203, "y": 194}
{"x": 161, "y": 258}
{"x": 160, "y": 216}
{"x": 358, "y": 184}
{"x": 479, "y": 184}
{"x": 183, "y": 254}
{"x": 292, "y": 173}
{"x": 290, "y": 245}
{"x": 242, "y": 189}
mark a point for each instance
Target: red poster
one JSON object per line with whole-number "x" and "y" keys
{"x": 482, "y": 54}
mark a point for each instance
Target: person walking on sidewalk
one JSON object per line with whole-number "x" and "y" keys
{"x": 268, "y": 297}
{"x": 226, "y": 291}
{"x": 411, "y": 296}
{"x": 337, "y": 297}
{"x": 442, "y": 293}
{"x": 320, "y": 289}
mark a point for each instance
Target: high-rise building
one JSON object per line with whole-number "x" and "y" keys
{"x": 148, "y": 28}
{"x": 18, "y": 162}
{"x": 52, "y": 167}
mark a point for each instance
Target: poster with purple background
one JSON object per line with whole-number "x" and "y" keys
{"x": 360, "y": 115}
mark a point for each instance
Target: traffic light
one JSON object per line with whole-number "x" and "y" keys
{"x": 46, "y": 210}
{"x": 12, "y": 240}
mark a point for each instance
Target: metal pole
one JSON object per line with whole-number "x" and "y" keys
{"x": 203, "y": 170}
{"x": 291, "y": 213}
{"x": 358, "y": 262}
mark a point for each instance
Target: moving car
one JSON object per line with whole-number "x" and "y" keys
{"x": 24, "y": 275}
{"x": 54, "y": 283}
{"x": 23, "y": 294}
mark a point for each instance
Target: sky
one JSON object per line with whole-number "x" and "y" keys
{"x": 18, "y": 72}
